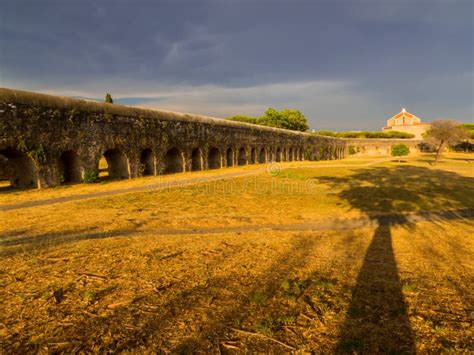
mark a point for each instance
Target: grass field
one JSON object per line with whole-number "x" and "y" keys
{"x": 315, "y": 257}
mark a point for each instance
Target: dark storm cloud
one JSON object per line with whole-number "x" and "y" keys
{"x": 382, "y": 54}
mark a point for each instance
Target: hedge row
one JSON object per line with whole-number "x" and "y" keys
{"x": 367, "y": 134}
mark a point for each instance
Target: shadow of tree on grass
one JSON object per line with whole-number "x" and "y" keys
{"x": 377, "y": 318}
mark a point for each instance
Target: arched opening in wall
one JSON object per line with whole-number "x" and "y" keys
{"x": 114, "y": 166}
{"x": 173, "y": 161}
{"x": 147, "y": 162}
{"x": 229, "y": 157}
{"x": 261, "y": 156}
{"x": 196, "y": 160}
{"x": 253, "y": 156}
{"x": 17, "y": 169}
{"x": 278, "y": 155}
{"x": 321, "y": 153}
{"x": 214, "y": 158}
{"x": 290, "y": 154}
{"x": 70, "y": 167}
{"x": 242, "y": 159}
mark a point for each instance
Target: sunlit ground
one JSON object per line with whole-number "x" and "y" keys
{"x": 373, "y": 258}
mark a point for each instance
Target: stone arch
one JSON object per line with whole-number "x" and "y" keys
{"x": 278, "y": 155}
{"x": 147, "y": 162}
{"x": 23, "y": 171}
{"x": 214, "y": 158}
{"x": 261, "y": 156}
{"x": 117, "y": 164}
{"x": 290, "y": 154}
{"x": 173, "y": 161}
{"x": 196, "y": 160}
{"x": 271, "y": 155}
{"x": 70, "y": 167}
{"x": 242, "y": 157}
{"x": 229, "y": 155}
{"x": 320, "y": 153}
{"x": 253, "y": 156}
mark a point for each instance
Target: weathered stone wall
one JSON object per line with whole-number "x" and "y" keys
{"x": 49, "y": 140}
{"x": 366, "y": 146}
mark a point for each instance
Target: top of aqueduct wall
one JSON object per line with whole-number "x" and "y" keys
{"x": 60, "y": 102}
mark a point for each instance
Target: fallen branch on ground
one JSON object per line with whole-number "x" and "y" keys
{"x": 262, "y": 336}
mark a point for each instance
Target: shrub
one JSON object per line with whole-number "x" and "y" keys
{"x": 325, "y": 133}
{"x": 352, "y": 150}
{"x": 367, "y": 134}
{"x": 464, "y": 147}
{"x": 469, "y": 127}
{"x": 399, "y": 150}
{"x": 241, "y": 118}
{"x": 91, "y": 176}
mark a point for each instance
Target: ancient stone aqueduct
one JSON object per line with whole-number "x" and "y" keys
{"x": 49, "y": 140}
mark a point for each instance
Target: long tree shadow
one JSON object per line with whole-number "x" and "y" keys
{"x": 377, "y": 319}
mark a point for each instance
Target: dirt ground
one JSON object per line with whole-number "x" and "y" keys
{"x": 364, "y": 258}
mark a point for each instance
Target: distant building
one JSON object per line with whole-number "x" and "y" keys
{"x": 405, "y": 121}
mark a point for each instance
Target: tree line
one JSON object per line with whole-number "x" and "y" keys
{"x": 287, "y": 119}
{"x": 366, "y": 134}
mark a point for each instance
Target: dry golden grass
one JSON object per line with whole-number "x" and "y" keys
{"x": 12, "y": 196}
{"x": 248, "y": 264}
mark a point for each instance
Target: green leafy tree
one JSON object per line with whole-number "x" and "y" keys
{"x": 108, "y": 99}
{"x": 288, "y": 119}
{"x": 469, "y": 127}
{"x": 400, "y": 150}
{"x": 444, "y": 133}
{"x": 241, "y": 118}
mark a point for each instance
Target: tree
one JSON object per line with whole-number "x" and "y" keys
{"x": 469, "y": 127}
{"x": 443, "y": 133}
{"x": 108, "y": 98}
{"x": 400, "y": 150}
{"x": 288, "y": 119}
{"x": 241, "y": 118}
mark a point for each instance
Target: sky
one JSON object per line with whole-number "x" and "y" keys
{"x": 346, "y": 64}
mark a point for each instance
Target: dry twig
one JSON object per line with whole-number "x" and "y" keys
{"x": 262, "y": 336}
